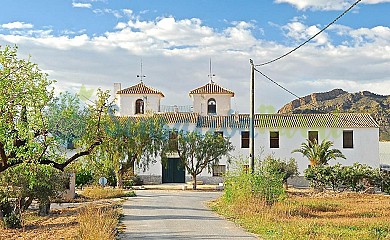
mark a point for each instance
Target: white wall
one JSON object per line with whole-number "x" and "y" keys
{"x": 384, "y": 153}
{"x": 365, "y": 150}
{"x": 199, "y": 103}
{"x": 126, "y": 103}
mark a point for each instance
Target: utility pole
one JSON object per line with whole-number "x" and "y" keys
{"x": 251, "y": 119}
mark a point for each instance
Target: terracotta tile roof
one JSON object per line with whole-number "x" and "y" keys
{"x": 211, "y": 88}
{"x": 172, "y": 118}
{"x": 140, "y": 88}
{"x": 168, "y": 118}
{"x": 339, "y": 120}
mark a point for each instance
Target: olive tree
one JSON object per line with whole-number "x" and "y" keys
{"x": 199, "y": 151}
{"x": 33, "y": 123}
{"x": 130, "y": 141}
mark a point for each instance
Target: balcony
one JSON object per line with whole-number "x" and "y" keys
{"x": 176, "y": 109}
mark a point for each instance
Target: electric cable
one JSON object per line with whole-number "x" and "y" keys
{"x": 311, "y": 38}
{"x": 317, "y": 107}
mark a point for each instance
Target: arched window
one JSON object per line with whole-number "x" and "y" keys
{"x": 211, "y": 106}
{"x": 139, "y": 106}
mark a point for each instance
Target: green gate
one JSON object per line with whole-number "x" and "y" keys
{"x": 173, "y": 172}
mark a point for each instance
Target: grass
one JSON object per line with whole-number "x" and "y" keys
{"x": 105, "y": 193}
{"x": 98, "y": 222}
{"x": 309, "y": 216}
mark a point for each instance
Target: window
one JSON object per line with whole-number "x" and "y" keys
{"x": 245, "y": 139}
{"x": 313, "y": 135}
{"x": 218, "y": 133}
{"x": 348, "y": 139}
{"x": 211, "y": 106}
{"x": 219, "y": 170}
{"x": 139, "y": 106}
{"x": 274, "y": 139}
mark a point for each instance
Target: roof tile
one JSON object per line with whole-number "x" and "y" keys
{"x": 211, "y": 88}
{"x": 140, "y": 88}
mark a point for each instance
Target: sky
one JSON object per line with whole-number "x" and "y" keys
{"x": 96, "y": 43}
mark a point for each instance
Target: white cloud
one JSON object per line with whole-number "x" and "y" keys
{"x": 300, "y": 32}
{"x": 116, "y": 13}
{"x": 326, "y": 5}
{"x": 17, "y": 25}
{"x": 176, "y": 55}
{"x": 81, "y": 5}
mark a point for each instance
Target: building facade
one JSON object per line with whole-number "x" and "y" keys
{"x": 356, "y": 135}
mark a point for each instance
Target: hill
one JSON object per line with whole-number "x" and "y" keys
{"x": 339, "y": 100}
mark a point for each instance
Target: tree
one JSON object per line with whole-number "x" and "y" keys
{"x": 319, "y": 154}
{"x": 198, "y": 152}
{"x": 130, "y": 141}
{"x": 22, "y": 184}
{"x": 286, "y": 168}
{"x": 28, "y": 130}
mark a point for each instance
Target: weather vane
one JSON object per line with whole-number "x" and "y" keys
{"x": 211, "y": 75}
{"x": 141, "y": 76}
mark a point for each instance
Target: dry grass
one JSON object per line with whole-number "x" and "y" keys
{"x": 104, "y": 193}
{"x": 70, "y": 223}
{"x": 98, "y": 223}
{"x": 60, "y": 224}
{"x": 311, "y": 216}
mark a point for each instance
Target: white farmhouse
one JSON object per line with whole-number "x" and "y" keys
{"x": 356, "y": 135}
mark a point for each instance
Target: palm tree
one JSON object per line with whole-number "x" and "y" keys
{"x": 319, "y": 154}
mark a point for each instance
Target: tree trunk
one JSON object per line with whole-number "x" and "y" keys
{"x": 194, "y": 184}
{"x": 119, "y": 179}
{"x": 44, "y": 208}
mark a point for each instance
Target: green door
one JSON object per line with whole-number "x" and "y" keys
{"x": 173, "y": 172}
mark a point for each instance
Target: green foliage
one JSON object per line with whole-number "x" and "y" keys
{"x": 83, "y": 178}
{"x": 199, "y": 151}
{"x": 319, "y": 154}
{"x": 275, "y": 165}
{"x": 12, "y": 220}
{"x": 265, "y": 184}
{"x": 67, "y": 119}
{"x": 26, "y": 182}
{"x": 34, "y": 124}
{"x": 357, "y": 177}
{"x": 128, "y": 142}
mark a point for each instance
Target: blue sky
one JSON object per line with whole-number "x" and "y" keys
{"x": 99, "y": 42}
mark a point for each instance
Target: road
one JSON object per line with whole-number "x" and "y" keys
{"x": 156, "y": 214}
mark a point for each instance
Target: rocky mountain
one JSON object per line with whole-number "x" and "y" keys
{"x": 339, "y": 100}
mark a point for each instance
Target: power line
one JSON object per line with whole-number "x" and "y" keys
{"x": 311, "y": 38}
{"x": 317, "y": 107}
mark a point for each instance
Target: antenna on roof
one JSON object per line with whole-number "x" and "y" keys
{"x": 141, "y": 76}
{"x": 211, "y": 75}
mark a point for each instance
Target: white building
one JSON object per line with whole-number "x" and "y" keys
{"x": 356, "y": 135}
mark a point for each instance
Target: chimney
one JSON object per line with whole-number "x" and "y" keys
{"x": 117, "y": 87}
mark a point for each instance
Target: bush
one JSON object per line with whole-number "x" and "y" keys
{"x": 22, "y": 184}
{"x": 83, "y": 177}
{"x": 357, "y": 178}
{"x": 285, "y": 168}
{"x": 265, "y": 184}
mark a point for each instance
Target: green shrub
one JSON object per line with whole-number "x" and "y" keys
{"x": 265, "y": 184}
{"x": 22, "y": 184}
{"x": 83, "y": 177}
{"x": 357, "y": 177}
